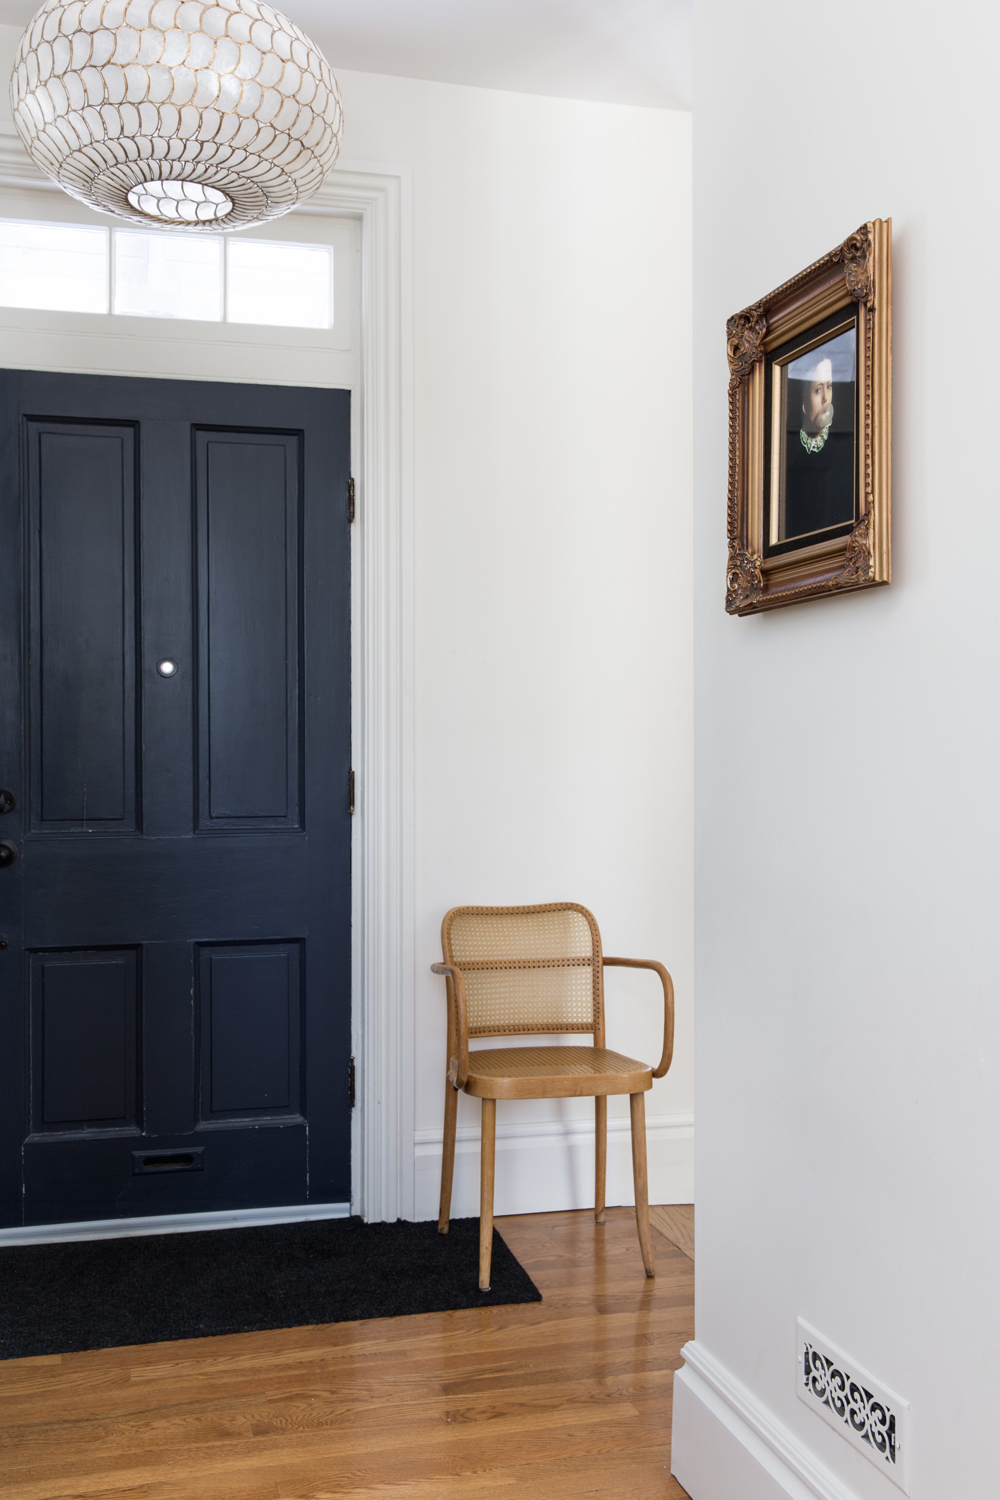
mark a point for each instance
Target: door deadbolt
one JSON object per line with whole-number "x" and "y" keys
{"x": 8, "y": 853}
{"x": 8, "y": 801}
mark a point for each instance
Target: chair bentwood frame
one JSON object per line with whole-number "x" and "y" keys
{"x": 516, "y": 970}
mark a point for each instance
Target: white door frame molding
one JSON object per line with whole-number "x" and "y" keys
{"x": 382, "y": 998}
{"x": 382, "y": 646}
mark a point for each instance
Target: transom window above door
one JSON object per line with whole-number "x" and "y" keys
{"x": 206, "y": 278}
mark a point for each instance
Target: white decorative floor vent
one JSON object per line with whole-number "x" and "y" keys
{"x": 874, "y": 1419}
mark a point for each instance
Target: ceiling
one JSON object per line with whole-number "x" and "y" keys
{"x": 615, "y": 51}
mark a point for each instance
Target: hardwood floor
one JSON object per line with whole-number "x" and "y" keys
{"x": 676, "y": 1221}
{"x": 565, "y": 1398}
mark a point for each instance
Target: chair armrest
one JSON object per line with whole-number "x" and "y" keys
{"x": 458, "y": 1026}
{"x": 668, "y": 1004}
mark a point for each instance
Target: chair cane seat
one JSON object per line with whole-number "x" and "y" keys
{"x": 554, "y": 1073}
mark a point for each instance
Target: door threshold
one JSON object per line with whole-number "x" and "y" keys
{"x": 226, "y": 1218}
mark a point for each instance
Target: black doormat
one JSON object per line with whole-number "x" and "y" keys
{"x": 146, "y": 1289}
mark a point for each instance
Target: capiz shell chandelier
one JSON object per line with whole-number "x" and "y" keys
{"x": 180, "y": 113}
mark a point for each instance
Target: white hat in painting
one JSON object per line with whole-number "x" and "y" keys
{"x": 837, "y": 354}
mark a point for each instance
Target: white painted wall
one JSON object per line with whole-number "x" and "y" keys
{"x": 847, "y": 809}
{"x": 552, "y": 633}
{"x": 552, "y": 555}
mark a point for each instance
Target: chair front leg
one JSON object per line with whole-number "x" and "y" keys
{"x": 637, "y": 1103}
{"x": 447, "y": 1154}
{"x": 600, "y": 1156}
{"x": 486, "y": 1164}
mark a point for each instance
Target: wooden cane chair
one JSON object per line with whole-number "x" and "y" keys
{"x": 514, "y": 970}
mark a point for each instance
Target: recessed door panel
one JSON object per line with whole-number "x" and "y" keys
{"x": 81, "y": 599}
{"x": 250, "y": 1007}
{"x": 248, "y": 496}
{"x": 84, "y": 1043}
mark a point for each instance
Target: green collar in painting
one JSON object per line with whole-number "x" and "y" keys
{"x": 813, "y": 444}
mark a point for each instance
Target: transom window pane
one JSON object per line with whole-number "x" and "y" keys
{"x": 58, "y": 267}
{"x": 275, "y": 283}
{"x": 168, "y": 275}
{"x": 198, "y": 277}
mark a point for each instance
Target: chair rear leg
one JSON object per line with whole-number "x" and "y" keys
{"x": 487, "y": 1158}
{"x": 601, "y": 1156}
{"x": 447, "y": 1154}
{"x": 638, "y": 1109}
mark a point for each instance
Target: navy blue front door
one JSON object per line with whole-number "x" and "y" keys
{"x": 175, "y": 872}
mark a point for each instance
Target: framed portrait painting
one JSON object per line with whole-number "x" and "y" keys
{"x": 809, "y": 431}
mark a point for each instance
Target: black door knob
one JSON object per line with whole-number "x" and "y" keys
{"x": 8, "y": 854}
{"x": 8, "y": 801}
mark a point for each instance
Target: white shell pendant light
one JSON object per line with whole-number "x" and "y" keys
{"x": 180, "y": 113}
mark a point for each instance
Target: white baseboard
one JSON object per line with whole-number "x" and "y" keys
{"x": 542, "y": 1167}
{"x": 725, "y": 1443}
{"x": 112, "y": 1229}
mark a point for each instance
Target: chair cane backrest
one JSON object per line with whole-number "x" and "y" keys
{"x": 527, "y": 968}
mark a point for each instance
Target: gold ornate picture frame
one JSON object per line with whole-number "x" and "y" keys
{"x": 809, "y": 431}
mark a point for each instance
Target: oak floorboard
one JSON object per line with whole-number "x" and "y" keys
{"x": 675, "y": 1221}
{"x": 186, "y": 1490}
{"x": 634, "y": 1475}
{"x": 134, "y": 1494}
{"x": 562, "y": 1399}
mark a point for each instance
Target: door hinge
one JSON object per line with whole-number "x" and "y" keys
{"x": 350, "y": 499}
{"x": 350, "y": 1083}
{"x": 350, "y": 793}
